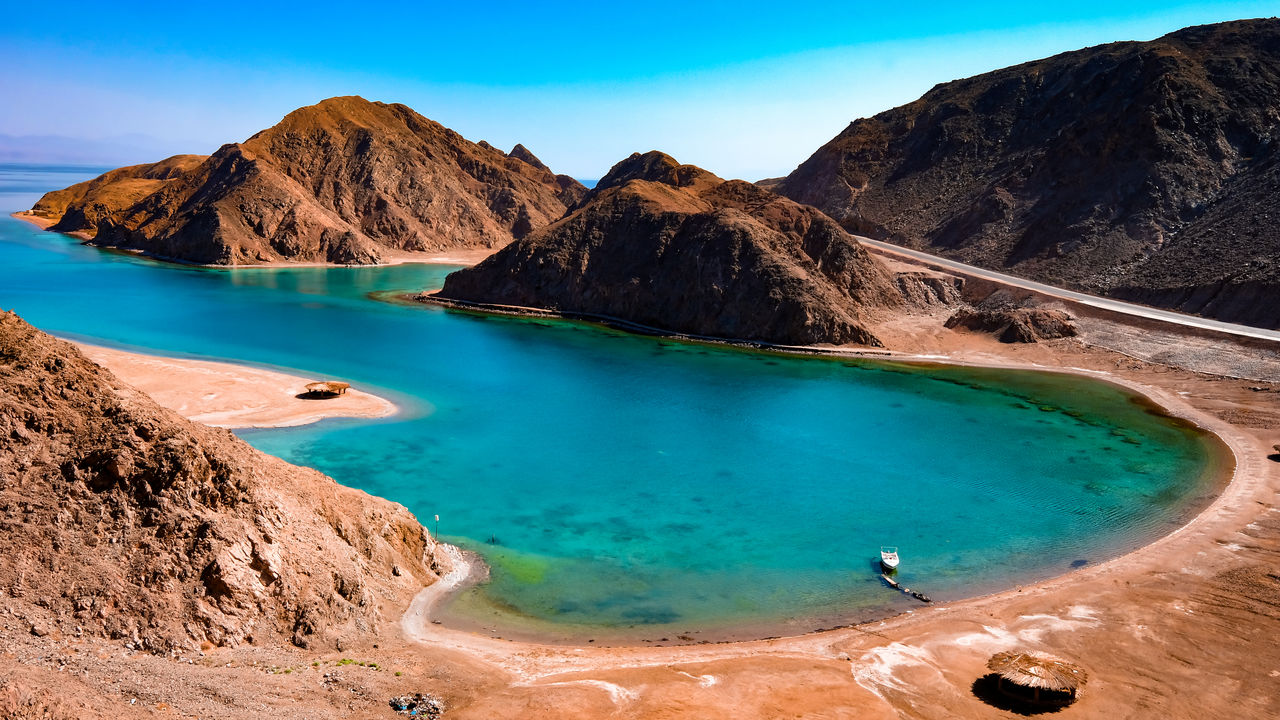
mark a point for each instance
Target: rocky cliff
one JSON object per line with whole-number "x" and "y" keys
{"x": 1144, "y": 170}
{"x": 125, "y": 520}
{"x": 344, "y": 181}
{"x": 674, "y": 247}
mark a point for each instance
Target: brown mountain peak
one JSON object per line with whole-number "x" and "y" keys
{"x": 672, "y": 246}
{"x": 1142, "y": 170}
{"x": 520, "y": 152}
{"x": 656, "y": 166}
{"x": 344, "y": 181}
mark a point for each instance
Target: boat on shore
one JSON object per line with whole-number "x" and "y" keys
{"x": 889, "y": 558}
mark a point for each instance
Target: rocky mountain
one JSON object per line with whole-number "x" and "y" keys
{"x": 344, "y": 181}
{"x": 80, "y": 207}
{"x": 120, "y": 518}
{"x": 674, "y": 247}
{"x": 1142, "y": 170}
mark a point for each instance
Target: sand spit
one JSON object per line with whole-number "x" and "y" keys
{"x": 44, "y": 223}
{"x": 230, "y": 395}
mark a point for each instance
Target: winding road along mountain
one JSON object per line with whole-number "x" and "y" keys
{"x": 1119, "y": 306}
{"x": 1144, "y": 171}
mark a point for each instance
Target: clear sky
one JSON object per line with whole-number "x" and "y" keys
{"x": 746, "y": 89}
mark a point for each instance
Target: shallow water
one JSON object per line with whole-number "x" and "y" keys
{"x": 628, "y": 487}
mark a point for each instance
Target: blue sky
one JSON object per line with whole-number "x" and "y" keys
{"x": 744, "y": 89}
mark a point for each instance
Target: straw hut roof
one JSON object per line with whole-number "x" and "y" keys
{"x": 1038, "y": 670}
{"x": 332, "y": 387}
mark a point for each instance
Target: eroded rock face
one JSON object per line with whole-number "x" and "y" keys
{"x": 676, "y": 248}
{"x": 1144, "y": 170}
{"x": 345, "y": 181}
{"x": 128, "y": 521}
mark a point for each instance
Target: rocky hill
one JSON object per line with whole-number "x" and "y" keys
{"x": 119, "y": 518}
{"x": 344, "y": 181}
{"x": 80, "y": 207}
{"x": 1142, "y": 170}
{"x": 674, "y": 247}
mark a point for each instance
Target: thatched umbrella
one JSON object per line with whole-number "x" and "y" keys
{"x": 329, "y": 388}
{"x": 1038, "y": 672}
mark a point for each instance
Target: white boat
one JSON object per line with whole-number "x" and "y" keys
{"x": 889, "y": 558}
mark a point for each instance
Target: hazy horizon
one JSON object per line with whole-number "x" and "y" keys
{"x": 744, "y": 91}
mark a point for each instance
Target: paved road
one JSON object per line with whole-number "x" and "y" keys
{"x": 1119, "y": 306}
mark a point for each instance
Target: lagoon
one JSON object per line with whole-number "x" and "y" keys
{"x": 626, "y": 488}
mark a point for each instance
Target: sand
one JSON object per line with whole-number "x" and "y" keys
{"x": 232, "y": 396}
{"x": 45, "y": 223}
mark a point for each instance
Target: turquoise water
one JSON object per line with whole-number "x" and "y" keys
{"x": 628, "y": 487}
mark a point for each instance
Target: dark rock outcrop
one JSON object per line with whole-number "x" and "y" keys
{"x": 676, "y": 248}
{"x": 1015, "y": 324}
{"x": 1143, "y": 170}
{"x": 121, "y": 519}
{"x": 520, "y": 152}
{"x": 344, "y": 181}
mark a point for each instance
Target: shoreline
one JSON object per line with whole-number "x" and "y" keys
{"x": 1218, "y": 476}
{"x": 929, "y": 657}
{"x": 1147, "y": 625}
{"x": 461, "y": 257}
{"x": 232, "y": 395}
{"x": 45, "y": 223}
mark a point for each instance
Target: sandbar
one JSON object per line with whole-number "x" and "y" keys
{"x": 232, "y": 396}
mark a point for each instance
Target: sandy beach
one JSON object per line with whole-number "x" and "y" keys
{"x": 232, "y": 396}
{"x": 1181, "y": 628}
{"x": 44, "y": 223}
{"x": 1147, "y": 626}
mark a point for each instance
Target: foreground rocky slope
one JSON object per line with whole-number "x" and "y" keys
{"x": 676, "y": 248}
{"x": 121, "y": 519}
{"x": 1143, "y": 170}
{"x": 344, "y": 181}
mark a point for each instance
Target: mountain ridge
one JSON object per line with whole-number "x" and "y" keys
{"x": 675, "y": 247}
{"x": 344, "y": 181}
{"x": 1112, "y": 169}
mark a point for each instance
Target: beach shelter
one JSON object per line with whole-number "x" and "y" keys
{"x": 327, "y": 389}
{"x": 1037, "y": 677}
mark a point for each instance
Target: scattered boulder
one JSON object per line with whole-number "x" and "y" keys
{"x": 1015, "y": 324}
{"x": 421, "y": 705}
